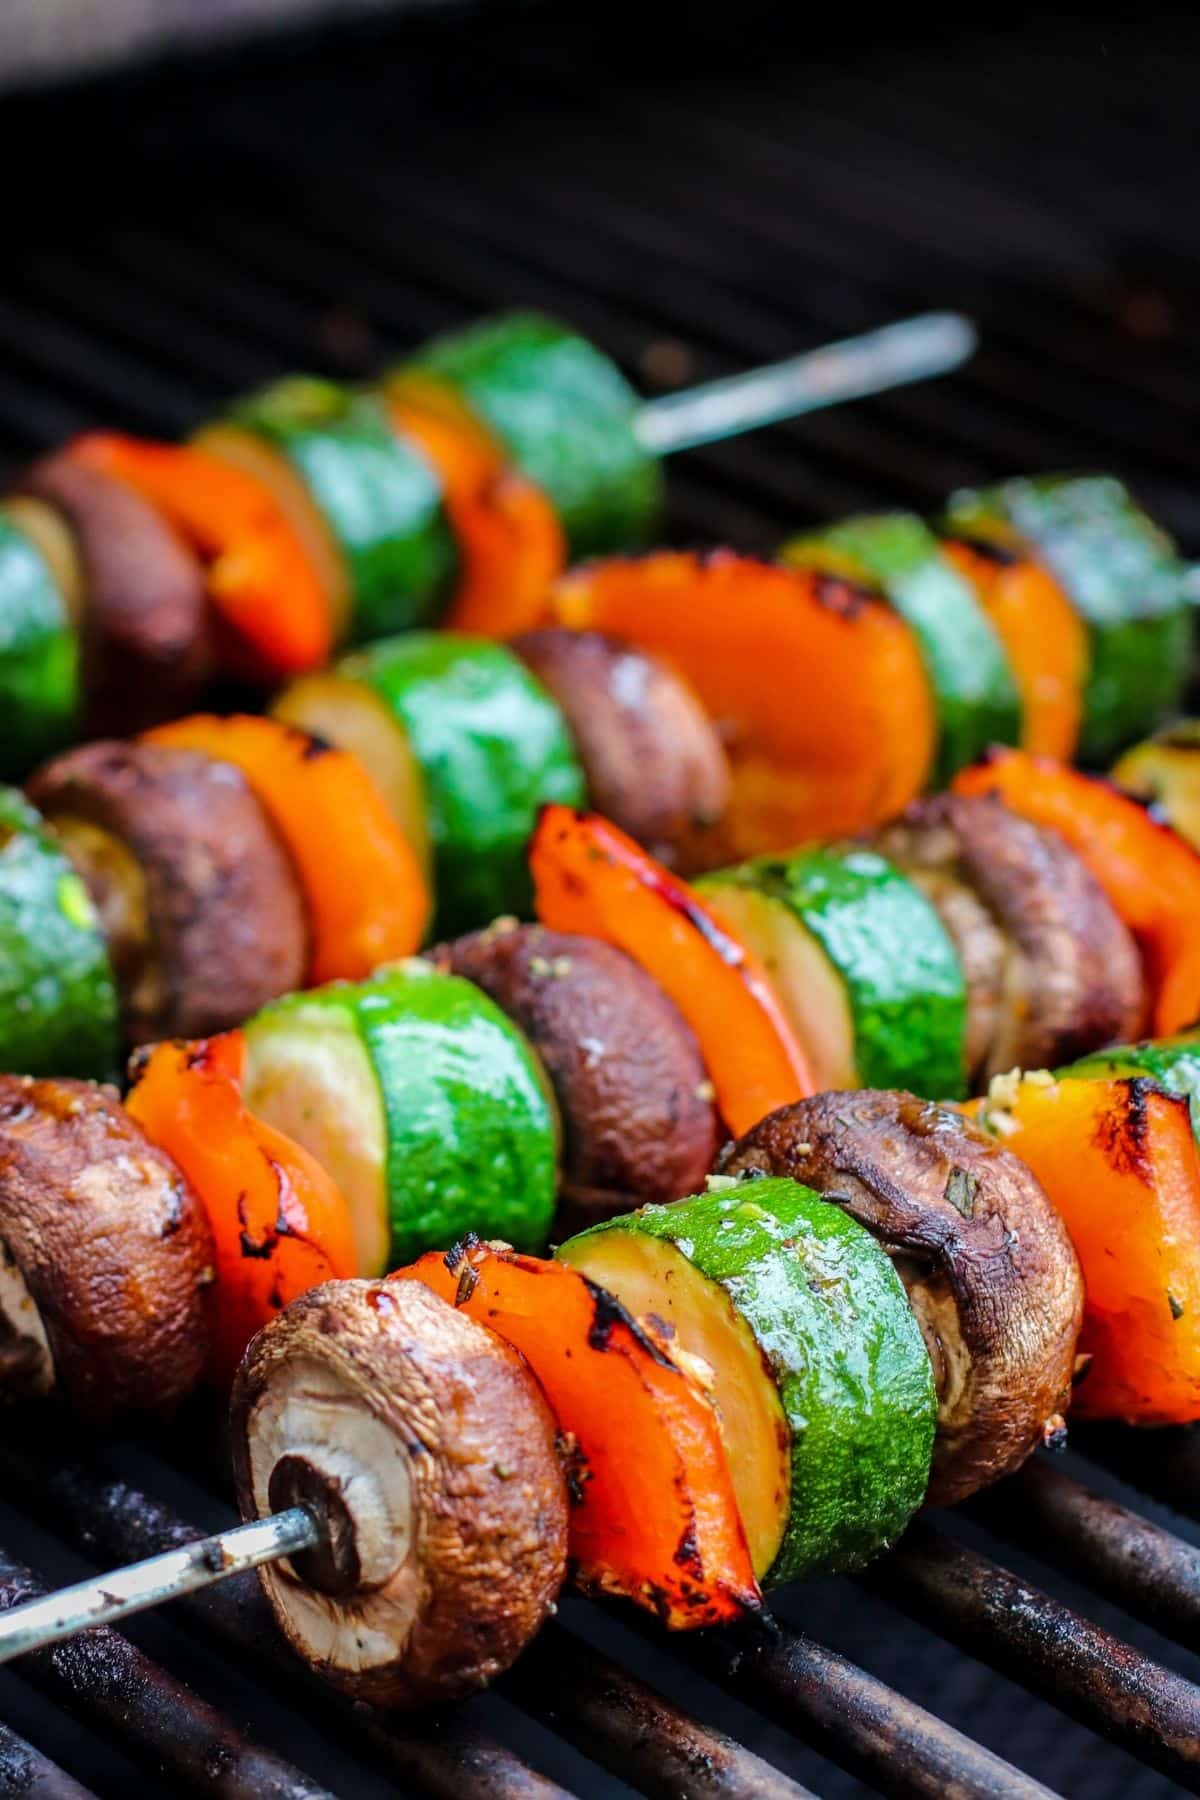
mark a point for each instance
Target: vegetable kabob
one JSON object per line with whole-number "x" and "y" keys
{"x": 757, "y": 1383}
{"x": 314, "y": 515}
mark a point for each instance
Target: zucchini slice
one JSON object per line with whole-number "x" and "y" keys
{"x": 968, "y": 668}
{"x": 39, "y": 652}
{"x": 58, "y": 998}
{"x": 1123, "y": 576}
{"x": 819, "y": 1371}
{"x": 566, "y": 415}
{"x": 864, "y": 968}
{"x": 377, "y": 494}
{"x": 421, "y": 1099}
{"x": 493, "y": 749}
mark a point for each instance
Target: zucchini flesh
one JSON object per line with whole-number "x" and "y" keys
{"x": 309, "y": 1075}
{"x": 974, "y": 689}
{"x": 836, "y": 1337}
{"x": 806, "y": 984}
{"x": 884, "y": 947}
{"x": 654, "y": 1281}
{"x": 352, "y": 716}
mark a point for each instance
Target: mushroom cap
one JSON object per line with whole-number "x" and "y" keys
{"x": 639, "y": 1120}
{"x": 427, "y": 1446}
{"x": 198, "y": 898}
{"x": 146, "y": 640}
{"x": 990, "y": 1271}
{"x": 653, "y": 762}
{"x": 111, "y": 1245}
{"x": 1051, "y": 970}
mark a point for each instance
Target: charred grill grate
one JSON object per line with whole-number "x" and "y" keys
{"x": 696, "y": 210}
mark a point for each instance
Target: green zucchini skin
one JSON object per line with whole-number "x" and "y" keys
{"x": 471, "y": 1132}
{"x": 839, "y": 1340}
{"x": 58, "y": 998}
{"x": 974, "y": 691}
{"x": 39, "y": 656}
{"x": 379, "y": 496}
{"x": 566, "y": 415}
{"x": 1172, "y": 1062}
{"x": 1124, "y": 578}
{"x": 493, "y": 747}
{"x": 896, "y": 960}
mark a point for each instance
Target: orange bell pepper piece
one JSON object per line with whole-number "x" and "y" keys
{"x": 1044, "y": 639}
{"x": 1148, "y": 872}
{"x": 655, "y": 1518}
{"x": 511, "y": 544}
{"x": 592, "y": 879}
{"x": 259, "y": 575}
{"x": 1118, "y": 1159}
{"x": 818, "y": 689}
{"x": 279, "y": 1223}
{"x": 365, "y": 894}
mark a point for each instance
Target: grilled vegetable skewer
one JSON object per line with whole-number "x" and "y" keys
{"x": 314, "y": 515}
{"x": 768, "y": 1411}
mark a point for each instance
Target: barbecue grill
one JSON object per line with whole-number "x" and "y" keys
{"x": 694, "y": 207}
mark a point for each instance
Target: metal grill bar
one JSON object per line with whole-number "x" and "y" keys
{"x": 1048, "y": 1648}
{"x": 1154, "y": 1575}
{"x": 633, "y": 1731}
{"x": 25, "y": 1774}
{"x": 104, "y": 1679}
{"x": 858, "y": 1720}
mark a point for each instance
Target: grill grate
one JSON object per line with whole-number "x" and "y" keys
{"x": 698, "y": 210}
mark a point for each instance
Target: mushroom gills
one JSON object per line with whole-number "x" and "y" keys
{"x": 318, "y": 1425}
{"x": 309, "y": 1075}
{"x": 706, "y": 1335}
{"x": 351, "y": 715}
{"x": 26, "y": 1359}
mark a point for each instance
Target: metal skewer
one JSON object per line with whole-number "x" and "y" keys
{"x": 105, "y": 1598}
{"x": 910, "y": 350}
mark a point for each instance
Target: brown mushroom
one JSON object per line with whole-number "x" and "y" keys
{"x": 198, "y": 900}
{"x": 105, "y": 1255}
{"x": 653, "y": 762}
{"x": 1051, "y": 970}
{"x": 424, "y": 1445}
{"x": 987, "y": 1263}
{"x": 146, "y": 645}
{"x": 639, "y": 1123}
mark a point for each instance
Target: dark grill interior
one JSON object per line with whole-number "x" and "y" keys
{"x": 722, "y": 197}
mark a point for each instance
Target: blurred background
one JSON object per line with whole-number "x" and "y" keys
{"x": 202, "y": 194}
